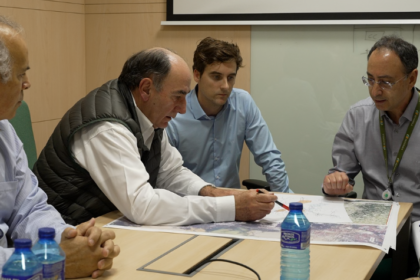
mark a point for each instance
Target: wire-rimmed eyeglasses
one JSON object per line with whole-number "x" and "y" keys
{"x": 382, "y": 84}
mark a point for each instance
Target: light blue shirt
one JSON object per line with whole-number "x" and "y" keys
{"x": 23, "y": 206}
{"x": 211, "y": 146}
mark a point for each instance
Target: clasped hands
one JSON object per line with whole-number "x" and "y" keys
{"x": 89, "y": 250}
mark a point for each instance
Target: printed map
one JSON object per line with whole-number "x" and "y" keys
{"x": 333, "y": 221}
{"x": 369, "y": 213}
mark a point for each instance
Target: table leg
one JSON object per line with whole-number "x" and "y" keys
{"x": 400, "y": 256}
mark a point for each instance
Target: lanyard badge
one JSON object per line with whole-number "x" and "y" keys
{"x": 387, "y": 194}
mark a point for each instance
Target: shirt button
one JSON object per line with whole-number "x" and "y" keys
{"x": 396, "y": 130}
{"x": 216, "y": 158}
{"x": 397, "y": 194}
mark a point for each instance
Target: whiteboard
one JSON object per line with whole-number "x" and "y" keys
{"x": 304, "y": 79}
{"x": 286, "y": 10}
{"x": 287, "y": 6}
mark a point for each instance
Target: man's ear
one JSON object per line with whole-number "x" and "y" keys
{"x": 144, "y": 88}
{"x": 413, "y": 78}
{"x": 196, "y": 75}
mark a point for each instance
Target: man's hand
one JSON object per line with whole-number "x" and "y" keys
{"x": 82, "y": 229}
{"x": 337, "y": 183}
{"x": 89, "y": 250}
{"x": 251, "y": 205}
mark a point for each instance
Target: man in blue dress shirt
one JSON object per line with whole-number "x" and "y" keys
{"x": 219, "y": 118}
{"x": 23, "y": 206}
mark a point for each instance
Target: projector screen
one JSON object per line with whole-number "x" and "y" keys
{"x": 295, "y": 10}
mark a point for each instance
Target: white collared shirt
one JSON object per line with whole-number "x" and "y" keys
{"x": 108, "y": 150}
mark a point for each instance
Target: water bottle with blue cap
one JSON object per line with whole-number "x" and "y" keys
{"x": 50, "y": 255}
{"x": 295, "y": 239}
{"x": 22, "y": 264}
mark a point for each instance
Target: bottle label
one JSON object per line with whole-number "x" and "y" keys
{"x": 37, "y": 276}
{"x": 53, "y": 271}
{"x": 294, "y": 239}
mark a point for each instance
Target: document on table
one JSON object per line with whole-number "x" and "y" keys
{"x": 318, "y": 209}
{"x": 335, "y": 221}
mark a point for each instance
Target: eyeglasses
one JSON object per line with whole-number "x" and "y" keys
{"x": 382, "y": 84}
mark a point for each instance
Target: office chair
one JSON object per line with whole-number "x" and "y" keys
{"x": 256, "y": 184}
{"x": 259, "y": 184}
{"x": 23, "y": 126}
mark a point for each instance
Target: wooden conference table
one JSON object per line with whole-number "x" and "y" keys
{"x": 138, "y": 248}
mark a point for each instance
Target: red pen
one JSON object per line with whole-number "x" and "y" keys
{"x": 278, "y": 202}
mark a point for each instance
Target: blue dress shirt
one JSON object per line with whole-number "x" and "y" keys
{"x": 211, "y": 146}
{"x": 23, "y": 206}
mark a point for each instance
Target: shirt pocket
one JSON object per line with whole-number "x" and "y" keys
{"x": 8, "y": 191}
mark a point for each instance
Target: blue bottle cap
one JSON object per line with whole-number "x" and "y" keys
{"x": 46, "y": 232}
{"x": 22, "y": 243}
{"x": 296, "y": 206}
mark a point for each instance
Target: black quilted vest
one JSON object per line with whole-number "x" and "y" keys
{"x": 69, "y": 187}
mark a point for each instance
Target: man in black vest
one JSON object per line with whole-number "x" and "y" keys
{"x": 110, "y": 151}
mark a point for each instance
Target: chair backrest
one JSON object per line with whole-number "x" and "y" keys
{"x": 23, "y": 126}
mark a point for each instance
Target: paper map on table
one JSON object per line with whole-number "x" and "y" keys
{"x": 333, "y": 221}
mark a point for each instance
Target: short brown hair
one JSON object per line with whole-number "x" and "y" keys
{"x": 211, "y": 50}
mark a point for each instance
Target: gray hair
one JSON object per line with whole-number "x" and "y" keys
{"x": 151, "y": 63}
{"x": 5, "y": 58}
{"x": 406, "y": 52}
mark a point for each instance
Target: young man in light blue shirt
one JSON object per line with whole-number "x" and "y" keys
{"x": 219, "y": 118}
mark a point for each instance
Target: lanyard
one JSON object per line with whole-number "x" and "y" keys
{"x": 403, "y": 144}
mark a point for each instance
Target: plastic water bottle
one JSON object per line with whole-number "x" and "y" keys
{"x": 23, "y": 264}
{"x": 50, "y": 255}
{"x": 295, "y": 240}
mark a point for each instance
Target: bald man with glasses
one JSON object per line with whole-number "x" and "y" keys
{"x": 380, "y": 135}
